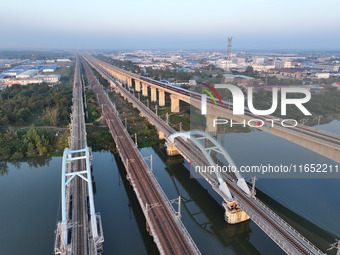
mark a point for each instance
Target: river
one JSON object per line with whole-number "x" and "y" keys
{"x": 30, "y": 201}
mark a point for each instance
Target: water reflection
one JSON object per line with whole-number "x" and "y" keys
{"x": 207, "y": 213}
{"x": 31, "y": 162}
{"x": 204, "y": 210}
{"x": 3, "y": 168}
{"x": 149, "y": 244}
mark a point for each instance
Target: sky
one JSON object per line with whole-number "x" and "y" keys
{"x": 173, "y": 24}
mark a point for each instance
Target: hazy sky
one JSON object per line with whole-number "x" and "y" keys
{"x": 187, "y": 24}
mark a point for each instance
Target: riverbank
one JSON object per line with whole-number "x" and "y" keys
{"x": 31, "y": 142}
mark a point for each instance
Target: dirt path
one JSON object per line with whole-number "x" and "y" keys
{"x": 57, "y": 129}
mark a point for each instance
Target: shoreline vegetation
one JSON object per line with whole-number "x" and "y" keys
{"x": 30, "y": 143}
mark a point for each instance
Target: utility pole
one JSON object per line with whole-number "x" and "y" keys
{"x": 136, "y": 140}
{"x": 319, "y": 118}
{"x": 303, "y": 121}
{"x": 229, "y": 54}
{"x": 177, "y": 201}
{"x": 151, "y": 163}
{"x": 230, "y": 39}
{"x": 167, "y": 118}
{"x": 156, "y": 109}
{"x": 139, "y": 96}
{"x": 253, "y": 191}
{"x": 180, "y": 127}
{"x": 179, "y": 206}
{"x": 127, "y": 165}
{"x": 147, "y": 216}
{"x": 336, "y": 246}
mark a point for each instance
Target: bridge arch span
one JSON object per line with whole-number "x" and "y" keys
{"x": 196, "y": 136}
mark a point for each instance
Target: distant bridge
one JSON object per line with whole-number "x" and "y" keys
{"x": 321, "y": 142}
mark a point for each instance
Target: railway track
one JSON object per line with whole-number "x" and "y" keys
{"x": 80, "y": 230}
{"x": 161, "y": 218}
{"x": 78, "y": 141}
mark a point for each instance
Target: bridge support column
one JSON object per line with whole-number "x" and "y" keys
{"x": 145, "y": 89}
{"x": 161, "y": 99}
{"x": 113, "y": 85}
{"x": 137, "y": 85}
{"x": 174, "y": 103}
{"x": 153, "y": 94}
{"x": 233, "y": 214}
{"x": 171, "y": 149}
{"x": 128, "y": 81}
{"x": 160, "y": 135}
{"x": 210, "y": 124}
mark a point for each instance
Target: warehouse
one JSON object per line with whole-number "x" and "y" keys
{"x": 50, "y": 69}
{"x": 27, "y": 74}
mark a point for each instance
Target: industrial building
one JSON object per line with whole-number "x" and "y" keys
{"x": 27, "y": 74}
{"x": 30, "y": 73}
{"x": 53, "y": 78}
{"x": 49, "y": 69}
{"x": 63, "y": 60}
{"x": 50, "y": 79}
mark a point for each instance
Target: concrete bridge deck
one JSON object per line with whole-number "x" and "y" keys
{"x": 324, "y": 143}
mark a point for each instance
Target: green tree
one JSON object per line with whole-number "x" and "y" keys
{"x": 51, "y": 116}
{"x": 249, "y": 70}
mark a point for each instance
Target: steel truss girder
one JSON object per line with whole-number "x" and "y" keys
{"x": 67, "y": 177}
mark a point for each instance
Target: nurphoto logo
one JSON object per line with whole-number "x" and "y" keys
{"x": 238, "y": 100}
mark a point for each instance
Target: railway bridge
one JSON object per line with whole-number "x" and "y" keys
{"x": 163, "y": 222}
{"x": 324, "y": 143}
{"x": 80, "y": 230}
{"x": 239, "y": 202}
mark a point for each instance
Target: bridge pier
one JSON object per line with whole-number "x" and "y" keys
{"x": 161, "y": 99}
{"x": 137, "y": 85}
{"x": 113, "y": 85}
{"x": 233, "y": 214}
{"x": 153, "y": 94}
{"x": 145, "y": 89}
{"x": 119, "y": 76}
{"x": 160, "y": 135}
{"x": 129, "y": 82}
{"x": 210, "y": 124}
{"x": 174, "y": 103}
{"x": 171, "y": 149}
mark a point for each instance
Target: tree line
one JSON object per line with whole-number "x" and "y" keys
{"x": 32, "y": 142}
{"x": 24, "y": 105}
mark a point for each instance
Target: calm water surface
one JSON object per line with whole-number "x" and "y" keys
{"x": 30, "y": 193}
